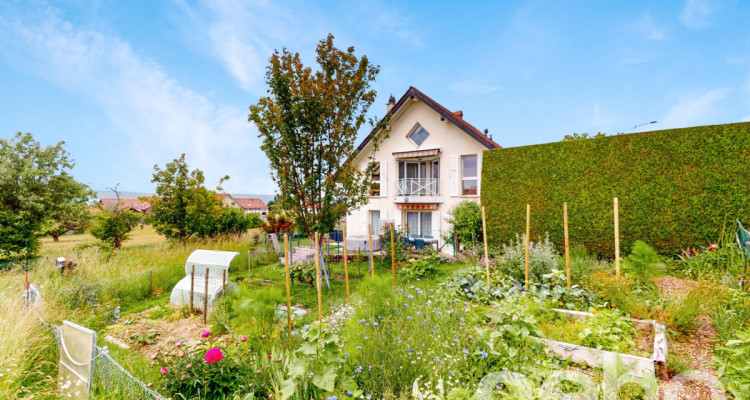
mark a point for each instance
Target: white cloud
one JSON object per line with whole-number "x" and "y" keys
{"x": 156, "y": 116}
{"x": 694, "y": 110}
{"x": 697, "y": 14}
{"x": 473, "y": 87}
{"x": 647, "y": 27}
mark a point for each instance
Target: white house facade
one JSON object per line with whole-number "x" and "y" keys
{"x": 430, "y": 160}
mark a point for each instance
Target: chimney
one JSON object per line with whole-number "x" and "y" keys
{"x": 459, "y": 114}
{"x": 391, "y": 103}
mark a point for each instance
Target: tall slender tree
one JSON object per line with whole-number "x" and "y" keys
{"x": 309, "y": 123}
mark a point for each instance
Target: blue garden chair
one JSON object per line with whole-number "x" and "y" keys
{"x": 419, "y": 243}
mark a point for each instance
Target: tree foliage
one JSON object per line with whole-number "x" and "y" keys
{"x": 184, "y": 208}
{"x": 309, "y": 124}
{"x": 581, "y": 136}
{"x": 113, "y": 226}
{"x": 36, "y": 190}
{"x": 465, "y": 221}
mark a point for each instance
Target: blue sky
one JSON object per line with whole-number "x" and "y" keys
{"x": 131, "y": 84}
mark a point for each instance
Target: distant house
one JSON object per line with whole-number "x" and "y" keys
{"x": 137, "y": 205}
{"x": 228, "y": 201}
{"x": 254, "y": 206}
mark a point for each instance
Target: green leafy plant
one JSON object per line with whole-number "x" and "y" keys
{"x": 610, "y": 330}
{"x": 465, "y": 222}
{"x": 642, "y": 261}
{"x": 732, "y": 361}
{"x": 543, "y": 258}
{"x": 303, "y": 272}
{"x": 424, "y": 266}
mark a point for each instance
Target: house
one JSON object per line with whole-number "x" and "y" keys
{"x": 430, "y": 161}
{"x": 255, "y": 206}
{"x": 227, "y": 200}
{"x": 137, "y": 205}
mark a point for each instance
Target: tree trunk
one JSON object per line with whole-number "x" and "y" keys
{"x": 55, "y": 237}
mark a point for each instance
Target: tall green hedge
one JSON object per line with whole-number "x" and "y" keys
{"x": 676, "y": 188}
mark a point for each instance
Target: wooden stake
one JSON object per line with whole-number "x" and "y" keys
{"x": 484, "y": 235}
{"x": 192, "y": 287}
{"x": 205, "y": 299}
{"x": 617, "y": 239}
{"x": 372, "y": 264}
{"x": 393, "y": 257}
{"x": 317, "y": 276}
{"x": 567, "y": 241}
{"x": 287, "y": 255}
{"x": 223, "y": 283}
{"x": 346, "y": 266}
{"x": 528, "y": 233}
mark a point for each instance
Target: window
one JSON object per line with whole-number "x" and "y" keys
{"x": 375, "y": 221}
{"x": 469, "y": 176}
{"x": 375, "y": 179}
{"x": 419, "y": 224}
{"x": 419, "y": 135}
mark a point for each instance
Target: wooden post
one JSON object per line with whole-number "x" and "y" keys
{"x": 567, "y": 241}
{"x": 484, "y": 235}
{"x": 372, "y": 264}
{"x": 223, "y": 283}
{"x": 288, "y": 289}
{"x": 393, "y": 257}
{"x": 205, "y": 299}
{"x": 617, "y": 239}
{"x": 528, "y": 233}
{"x": 192, "y": 287}
{"x": 317, "y": 275}
{"x": 346, "y": 266}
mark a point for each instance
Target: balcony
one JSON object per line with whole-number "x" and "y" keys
{"x": 418, "y": 190}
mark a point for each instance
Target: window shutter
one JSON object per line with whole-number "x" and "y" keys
{"x": 454, "y": 176}
{"x": 436, "y": 226}
{"x": 384, "y": 179}
{"x": 397, "y": 220}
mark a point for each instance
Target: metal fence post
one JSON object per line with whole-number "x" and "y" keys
{"x": 205, "y": 299}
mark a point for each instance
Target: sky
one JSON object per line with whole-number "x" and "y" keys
{"x": 129, "y": 85}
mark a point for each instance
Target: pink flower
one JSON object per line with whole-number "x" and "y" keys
{"x": 269, "y": 356}
{"x": 150, "y": 384}
{"x": 257, "y": 371}
{"x": 164, "y": 370}
{"x": 181, "y": 354}
{"x": 153, "y": 356}
{"x": 244, "y": 338}
{"x": 189, "y": 366}
{"x": 177, "y": 343}
{"x": 205, "y": 334}
{"x": 213, "y": 355}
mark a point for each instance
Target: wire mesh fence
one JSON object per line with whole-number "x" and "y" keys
{"x": 111, "y": 380}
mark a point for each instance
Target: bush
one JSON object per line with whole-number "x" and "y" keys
{"x": 465, "y": 221}
{"x": 278, "y": 224}
{"x": 732, "y": 361}
{"x": 676, "y": 187}
{"x": 424, "y": 266}
{"x": 642, "y": 261}
{"x": 254, "y": 221}
{"x": 542, "y": 259}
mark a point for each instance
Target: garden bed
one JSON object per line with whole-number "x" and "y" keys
{"x": 651, "y": 331}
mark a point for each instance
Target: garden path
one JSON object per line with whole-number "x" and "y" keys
{"x": 698, "y": 347}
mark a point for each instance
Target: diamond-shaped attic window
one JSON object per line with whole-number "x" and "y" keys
{"x": 419, "y": 135}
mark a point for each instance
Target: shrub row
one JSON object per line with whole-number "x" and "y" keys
{"x": 676, "y": 188}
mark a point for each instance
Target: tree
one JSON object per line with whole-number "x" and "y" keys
{"x": 254, "y": 221}
{"x": 466, "y": 221}
{"x": 76, "y": 217}
{"x": 309, "y": 124}
{"x": 183, "y": 207}
{"x": 112, "y": 227}
{"x": 35, "y": 190}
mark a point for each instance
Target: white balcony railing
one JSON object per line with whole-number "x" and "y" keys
{"x": 418, "y": 187}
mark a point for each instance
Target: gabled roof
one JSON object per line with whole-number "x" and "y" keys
{"x": 127, "y": 204}
{"x": 455, "y": 118}
{"x": 251, "y": 204}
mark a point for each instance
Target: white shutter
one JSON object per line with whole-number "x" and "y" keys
{"x": 363, "y": 225}
{"x": 397, "y": 220}
{"x": 436, "y": 225}
{"x": 384, "y": 179}
{"x": 454, "y": 176}
{"x": 383, "y": 219}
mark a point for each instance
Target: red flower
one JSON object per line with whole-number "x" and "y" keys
{"x": 213, "y": 355}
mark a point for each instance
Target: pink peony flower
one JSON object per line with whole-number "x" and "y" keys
{"x": 244, "y": 338}
{"x": 269, "y": 356}
{"x": 257, "y": 371}
{"x": 153, "y": 356}
{"x": 150, "y": 384}
{"x": 164, "y": 370}
{"x": 205, "y": 334}
{"x": 213, "y": 355}
{"x": 181, "y": 354}
{"x": 177, "y": 343}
